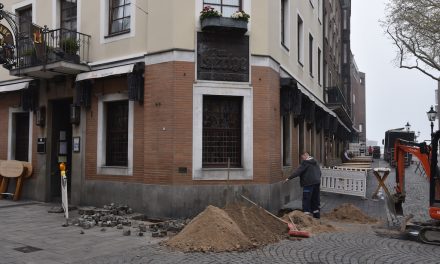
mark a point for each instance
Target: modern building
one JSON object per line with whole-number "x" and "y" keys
{"x": 152, "y": 107}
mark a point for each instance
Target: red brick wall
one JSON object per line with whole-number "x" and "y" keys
{"x": 108, "y": 86}
{"x": 267, "y": 125}
{"x": 163, "y": 126}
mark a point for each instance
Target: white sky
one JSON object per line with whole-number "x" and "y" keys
{"x": 394, "y": 96}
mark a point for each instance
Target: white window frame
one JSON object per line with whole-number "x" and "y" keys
{"x": 101, "y": 168}
{"x": 11, "y": 132}
{"x": 56, "y": 13}
{"x": 202, "y": 88}
{"x": 310, "y": 55}
{"x": 104, "y": 26}
{"x": 286, "y": 43}
{"x": 300, "y": 44}
{"x": 23, "y": 4}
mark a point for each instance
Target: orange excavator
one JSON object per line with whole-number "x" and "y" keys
{"x": 428, "y": 232}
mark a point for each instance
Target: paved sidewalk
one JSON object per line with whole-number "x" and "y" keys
{"x": 27, "y": 223}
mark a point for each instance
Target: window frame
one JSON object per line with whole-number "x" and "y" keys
{"x": 12, "y": 132}
{"x": 221, "y": 5}
{"x": 285, "y": 24}
{"x": 62, "y": 3}
{"x": 311, "y": 40}
{"x": 286, "y": 143}
{"x": 111, "y": 19}
{"x": 102, "y": 168}
{"x": 300, "y": 39}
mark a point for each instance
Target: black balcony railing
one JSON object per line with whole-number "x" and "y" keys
{"x": 334, "y": 96}
{"x": 50, "y": 46}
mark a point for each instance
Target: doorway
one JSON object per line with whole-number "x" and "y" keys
{"x": 61, "y": 147}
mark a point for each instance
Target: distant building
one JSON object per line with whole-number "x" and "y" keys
{"x": 358, "y": 102}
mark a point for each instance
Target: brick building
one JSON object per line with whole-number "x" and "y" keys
{"x": 151, "y": 107}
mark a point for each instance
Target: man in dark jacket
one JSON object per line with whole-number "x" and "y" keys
{"x": 310, "y": 180}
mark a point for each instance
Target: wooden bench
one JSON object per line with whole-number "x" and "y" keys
{"x": 13, "y": 169}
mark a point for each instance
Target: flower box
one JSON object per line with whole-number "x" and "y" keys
{"x": 224, "y": 24}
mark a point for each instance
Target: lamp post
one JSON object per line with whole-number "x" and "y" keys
{"x": 407, "y": 126}
{"x": 432, "y": 114}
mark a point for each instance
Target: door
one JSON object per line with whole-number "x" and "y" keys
{"x": 61, "y": 147}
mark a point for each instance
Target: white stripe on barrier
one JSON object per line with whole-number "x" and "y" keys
{"x": 342, "y": 181}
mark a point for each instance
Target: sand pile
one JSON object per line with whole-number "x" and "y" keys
{"x": 349, "y": 213}
{"x": 307, "y": 223}
{"x": 236, "y": 228}
{"x": 256, "y": 224}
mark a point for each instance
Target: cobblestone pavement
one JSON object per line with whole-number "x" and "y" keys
{"x": 352, "y": 244}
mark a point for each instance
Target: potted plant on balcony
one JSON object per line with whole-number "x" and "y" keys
{"x": 28, "y": 57}
{"x": 70, "y": 47}
{"x": 212, "y": 20}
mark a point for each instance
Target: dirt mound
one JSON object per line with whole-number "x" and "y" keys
{"x": 256, "y": 224}
{"x": 349, "y": 213}
{"x": 308, "y": 223}
{"x": 236, "y": 228}
{"x": 211, "y": 230}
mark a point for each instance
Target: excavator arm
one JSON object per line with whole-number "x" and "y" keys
{"x": 428, "y": 232}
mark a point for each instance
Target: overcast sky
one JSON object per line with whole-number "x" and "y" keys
{"x": 394, "y": 96}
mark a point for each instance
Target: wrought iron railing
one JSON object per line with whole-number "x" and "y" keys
{"x": 48, "y": 46}
{"x": 334, "y": 96}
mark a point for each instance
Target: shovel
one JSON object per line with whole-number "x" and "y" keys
{"x": 293, "y": 230}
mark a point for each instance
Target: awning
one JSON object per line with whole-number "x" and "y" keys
{"x": 14, "y": 86}
{"x": 105, "y": 72}
{"x": 318, "y": 102}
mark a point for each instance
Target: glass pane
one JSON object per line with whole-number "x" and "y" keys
{"x": 126, "y": 23}
{"x": 118, "y": 13}
{"x": 207, "y": 2}
{"x": 231, "y": 2}
{"x": 116, "y": 3}
{"x": 127, "y": 9}
{"x": 116, "y": 26}
{"x": 228, "y": 11}
{"x": 127, "y": 1}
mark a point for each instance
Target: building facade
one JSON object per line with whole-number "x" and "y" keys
{"x": 149, "y": 106}
{"x": 358, "y": 102}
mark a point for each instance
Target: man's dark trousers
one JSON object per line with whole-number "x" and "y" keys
{"x": 311, "y": 200}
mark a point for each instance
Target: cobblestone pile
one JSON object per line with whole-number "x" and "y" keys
{"x": 123, "y": 217}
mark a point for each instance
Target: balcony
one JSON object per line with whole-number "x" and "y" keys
{"x": 335, "y": 100}
{"x": 48, "y": 53}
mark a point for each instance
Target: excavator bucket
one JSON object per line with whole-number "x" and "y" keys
{"x": 394, "y": 203}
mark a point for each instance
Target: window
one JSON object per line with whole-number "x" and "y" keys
{"x": 222, "y": 117}
{"x": 225, "y": 7}
{"x": 119, "y": 17}
{"x": 285, "y": 23}
{"x": 287, "y": 159}
{"x": 345, "y": 19}
{"x": 319, "y": 66}
{"x": 21, "y": 136}
{"x": 311, "y": 55}
{"x": 300, "y": 41}
{"x": 24, "y": 25}
{"x": 68, "y": 14}
{"x": 345, "y": 52}
{"x": 117, "y": 133}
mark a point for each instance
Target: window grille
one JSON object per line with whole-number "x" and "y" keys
{"x": 117, "y": 133}
{"x": 222, "y": 124}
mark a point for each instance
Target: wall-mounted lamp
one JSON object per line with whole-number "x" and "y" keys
{"x": 40, "y": 116}
{"x": 75, "y": 114}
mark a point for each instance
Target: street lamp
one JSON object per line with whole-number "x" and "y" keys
{"x": 407, "y": 126}
{"x": 432, "y": 114}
